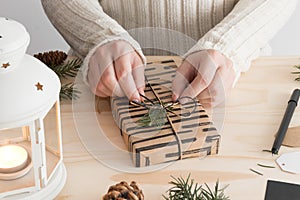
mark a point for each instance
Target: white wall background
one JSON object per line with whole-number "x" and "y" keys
{"x": 44, "y": 37}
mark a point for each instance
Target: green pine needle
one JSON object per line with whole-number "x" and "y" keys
{"x": 156, "y": 116}
{"x": 68, "y": 92}
{"x": 187, "y": 189}
{"x": 266, "y": 166}
{"x": 217, "y": 194}
{"x": 68, "y": 69}
{"x": 184, "y": 189}
{"x": 298, "y": 72}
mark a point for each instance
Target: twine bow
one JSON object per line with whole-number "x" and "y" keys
{"x": 157, "y": 113}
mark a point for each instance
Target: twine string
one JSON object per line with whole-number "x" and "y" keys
{"x": 179, "y": 143}
{"x": 167, "y": 108}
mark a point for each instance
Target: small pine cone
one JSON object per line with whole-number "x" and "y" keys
{"x": 52, "y": 58}
{"x": 124, "y": 191}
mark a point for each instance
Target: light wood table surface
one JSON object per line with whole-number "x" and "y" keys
{"x": 253, "y": 113}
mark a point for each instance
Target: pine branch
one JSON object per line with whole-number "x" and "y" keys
{"x": 68, "y": 69}
{"x": 68, "y": 91}
{"x": 217, "y": 194}
{"x": 298, "y": 72}
{"x": 184, "y": 189}
{"x": 187, "y": 189}
{"x": 56, "y": 60}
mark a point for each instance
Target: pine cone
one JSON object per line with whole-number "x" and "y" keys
{"x": 52, "y": 58}
{"x": 123, "y": 191}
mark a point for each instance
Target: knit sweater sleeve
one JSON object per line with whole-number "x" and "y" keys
{"x": 246, "y": 29}
{"x": 85, "y": 26}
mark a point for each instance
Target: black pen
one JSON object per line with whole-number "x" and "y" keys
{"x": 292, "y": 103}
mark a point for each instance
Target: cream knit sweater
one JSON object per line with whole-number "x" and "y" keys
{"x": 237, "y": 28}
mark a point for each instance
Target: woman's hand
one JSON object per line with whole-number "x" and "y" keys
{"x": 206, "y": 74}
{"x": 116, "y": 69}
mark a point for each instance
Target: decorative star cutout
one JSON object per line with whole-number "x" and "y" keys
{"x": 39, "y": 86}
{"x": 5, "y": 65}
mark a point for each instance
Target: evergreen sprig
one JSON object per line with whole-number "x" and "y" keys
{"x": 156, "y": 116}
{"x": 188, "y": 189}
{"x": 68, "y": 69}
{"x": 65, "y": 70}
{"x": 68, "y": 91}
{"x": 298, "y": 72}
{"x": 216, "y": 194}
{"x": 57, "y": 61}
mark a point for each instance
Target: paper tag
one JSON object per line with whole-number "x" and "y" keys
{"x": 289, "y": 162}
{"x": 292, "y": 138}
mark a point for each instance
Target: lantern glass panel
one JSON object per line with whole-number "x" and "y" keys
{"x": 11, "y": 135}
{"x": 52, "y": 139}
{"x": 17, "y": 136}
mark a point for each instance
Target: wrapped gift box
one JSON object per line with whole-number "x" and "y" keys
{"x": 186, "y": 132}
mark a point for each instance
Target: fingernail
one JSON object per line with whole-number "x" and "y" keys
{"x": 136, "y": 100}
{"x": 174, "y": 97}
{"x": 142, "y": 93}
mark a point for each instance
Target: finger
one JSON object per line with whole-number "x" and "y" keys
{"x": 184, "y": 75}
{"x": 94, "y": 75}
{"x": 99, "y": 62}
{"x": 138, "y": 74}
{"x": 215, "y": 91}
{"x": 109, "y": 80}
{"x": 123, "y": 70}
{"x": 103, "y": 84}
{"x": 206, "y": 74}
{"x": 206, "y": 103}
{"x": 205, "y": 94}
{"x": 102, "y": 90}
{"x": 204, "y": 63}
{"x": 98, "y": 76}
{"x": 227, "y": 76}
{"x": 178, "y": 86}
{"x": 194, "y": 88}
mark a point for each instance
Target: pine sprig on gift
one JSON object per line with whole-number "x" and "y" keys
{"x": 56, "y": 60}
{"x": 298, "y": 72}
{"x": 156, "y": 116}
{"x": 187, "y": 189}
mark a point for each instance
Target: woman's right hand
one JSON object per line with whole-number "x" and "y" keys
{"x": 116, "y": 69}
{"x": 207, "y": 75}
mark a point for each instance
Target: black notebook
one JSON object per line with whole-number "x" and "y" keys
{"x": 282, "y": 191}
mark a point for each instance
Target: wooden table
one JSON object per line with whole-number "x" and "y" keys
{"x": 252, "y": 115}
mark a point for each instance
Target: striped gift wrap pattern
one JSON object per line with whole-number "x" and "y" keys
{"x": 179, "y": 138}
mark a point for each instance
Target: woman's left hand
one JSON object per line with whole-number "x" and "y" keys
{"x": 207, "y": 75}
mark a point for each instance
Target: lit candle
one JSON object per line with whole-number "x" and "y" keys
{"x": 12, "y": 158}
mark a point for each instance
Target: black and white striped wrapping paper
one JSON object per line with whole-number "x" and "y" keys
{"x": 184, "y": 137}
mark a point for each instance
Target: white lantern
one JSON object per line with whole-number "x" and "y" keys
{"x": 31, "y": 164}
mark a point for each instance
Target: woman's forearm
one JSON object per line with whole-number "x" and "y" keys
{"x": 84, "y": 24}
{"x": 247, "y": 29}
